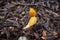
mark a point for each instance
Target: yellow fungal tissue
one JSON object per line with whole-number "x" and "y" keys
{"x": 32, "y": 12}
{"x": 32, "y": 20}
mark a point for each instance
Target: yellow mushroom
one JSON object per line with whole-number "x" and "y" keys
{"x": 33, "y": 18}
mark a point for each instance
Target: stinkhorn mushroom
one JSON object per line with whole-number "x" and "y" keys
{"x": 33, "y": 18}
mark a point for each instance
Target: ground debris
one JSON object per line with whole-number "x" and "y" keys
{"x": 14, "y": 15}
